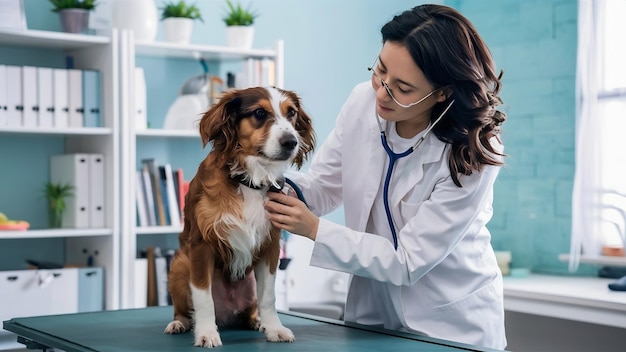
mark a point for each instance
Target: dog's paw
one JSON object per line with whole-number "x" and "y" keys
{"x": 278, "y": 334}
{"x": 175, "y": 327}
{"x": 208, "y": 339}
{"x": 255, "y": 324}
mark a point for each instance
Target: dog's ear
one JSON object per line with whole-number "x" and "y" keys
{"x": 218, "y": 123}
{"x": 304, "y": 127}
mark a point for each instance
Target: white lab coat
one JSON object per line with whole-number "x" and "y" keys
{"x": 443, "y": 281}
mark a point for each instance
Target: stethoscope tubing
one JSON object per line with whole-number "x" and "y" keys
{"x": 393, "y": 157}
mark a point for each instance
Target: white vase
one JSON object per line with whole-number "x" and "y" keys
{"x": 240, "y": 36}
{"x": 138, "y": 15}
{"x": 177, "y": 29}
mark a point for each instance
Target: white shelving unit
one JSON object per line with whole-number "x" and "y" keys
{"x": 131, "y": 138}
{"x": 88, "y": 52}
{"x": 114, "y": 56}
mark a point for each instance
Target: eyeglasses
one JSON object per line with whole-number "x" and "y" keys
{"x": 372, "y": 68}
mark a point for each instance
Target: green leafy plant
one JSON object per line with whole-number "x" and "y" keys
{"x": 238, "y": 16}
{"x": 180, "y": 9}
{"x": 73, "y": 4}
{"x": 56, "y": 194}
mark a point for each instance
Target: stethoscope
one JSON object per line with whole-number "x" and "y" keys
{"x": 393, "y": 157}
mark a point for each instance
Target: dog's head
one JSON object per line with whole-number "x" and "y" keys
{"x": 264, "y": 125}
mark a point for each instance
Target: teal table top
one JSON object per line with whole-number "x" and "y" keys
{"x": 142, "y": 330}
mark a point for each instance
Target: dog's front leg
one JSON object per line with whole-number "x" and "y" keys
{"x": 205, "y": 327}
{"x": 266, "y": 298}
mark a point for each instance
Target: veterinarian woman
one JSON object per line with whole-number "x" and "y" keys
{"x": 413, "y": 158}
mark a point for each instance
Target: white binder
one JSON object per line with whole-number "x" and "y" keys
{"x": 61, "y": 102}
{"x": 44, "y": 95}
{"x": 141, "y": 119}
{"x": 75, "y": 98}
{"x": 96, "y": 190}
{"x": 3, "y": 96}
{"x": 14, "y": 96}
{"x": 73, "y": 169}
{"x": 29, "y": 96}
{"x": 140, "y": 292}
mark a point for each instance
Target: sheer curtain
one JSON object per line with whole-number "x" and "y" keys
{"x": 599, "y": 193}
{"x": 586, "y": 180}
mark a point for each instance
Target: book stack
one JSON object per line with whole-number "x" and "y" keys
{"x": 46, "y": 97}
{"x": 85, "y": 173}
{"x": 159, "y": 194}
{"x": 151, "y": 271}
{"x": 257, "y": 72}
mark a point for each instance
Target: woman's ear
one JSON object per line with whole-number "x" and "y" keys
{"x": 443, "y": 94}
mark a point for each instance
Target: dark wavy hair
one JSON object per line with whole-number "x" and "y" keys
{"x": 447, "y": 48}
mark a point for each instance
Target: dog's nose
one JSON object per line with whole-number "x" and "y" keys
{"x": 288, "y": 142}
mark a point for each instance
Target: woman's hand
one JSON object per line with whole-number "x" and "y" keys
{"x": 291, "y": 214}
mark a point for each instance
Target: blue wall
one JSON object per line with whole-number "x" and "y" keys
{"x": 534, "y": 42}
{"x": 329, "y": 43}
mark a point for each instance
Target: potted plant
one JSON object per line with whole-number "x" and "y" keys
{"x": 177, "y": 18}
{"x": 239, "y": 29}
{"x": 56, "y": 194}
{"x": 74, "y": 14}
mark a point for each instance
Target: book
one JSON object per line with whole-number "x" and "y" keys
{"x": 160, "y": 268}
{"x": 172, "y": 201}
{"x": 153, "y": 169}
{"x": 140, "y": 200}
{"x": 149, "y": 194}
{"x": 180, "y": 194}
{"x": 153, "y": 299}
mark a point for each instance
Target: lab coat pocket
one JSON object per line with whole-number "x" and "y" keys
{"x": 408, "y": 211}
{"x": 478, "y": 316}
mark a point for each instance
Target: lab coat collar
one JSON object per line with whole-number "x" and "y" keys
{"x": 430, "y": 151}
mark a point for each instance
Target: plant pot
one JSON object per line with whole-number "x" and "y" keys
{"x": 177, "y": 29}
{"x": 74, "y": 20}
{"x": 138, "y": 15}
{"x": 55, "y": 218}
{"x": 240, "y": 36}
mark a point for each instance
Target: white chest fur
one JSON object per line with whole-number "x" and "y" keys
{"x": 250, "y": 233}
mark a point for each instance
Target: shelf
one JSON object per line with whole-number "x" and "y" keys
{"x": 156, "y": 230}
{"x": 103, "y": 131}
{"x": 597, "y": 259}
{"x": 157, "y": 132}
{"x": 54, "y": 233}
{"x": 47, "y": 39}
{"x": 194, "y": 51}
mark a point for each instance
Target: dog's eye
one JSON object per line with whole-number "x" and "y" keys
{"x": 260, "y": 114}
{"x": 291, "y": 113}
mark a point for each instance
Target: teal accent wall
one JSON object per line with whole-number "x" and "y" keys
{"x": 534, "y": 42}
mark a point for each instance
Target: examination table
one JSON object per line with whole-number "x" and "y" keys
{"x": 142, "y": 330}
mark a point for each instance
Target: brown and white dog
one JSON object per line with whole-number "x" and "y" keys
{"x": 229, "y": 251}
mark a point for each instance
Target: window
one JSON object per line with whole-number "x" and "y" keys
{"x": 599, "y": 196}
